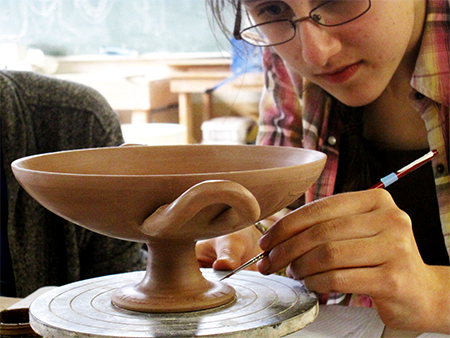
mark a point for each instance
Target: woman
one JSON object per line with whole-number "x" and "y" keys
{"x": 367, "y": 82}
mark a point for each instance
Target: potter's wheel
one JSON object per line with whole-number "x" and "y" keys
{"x": 265, "y": 306}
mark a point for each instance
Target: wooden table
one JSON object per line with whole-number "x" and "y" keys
{"x": 6, "y": 302}
{"x": 185, "y": 84}
{"x": 196, "y": 76}
{"x": 141, "y": 94}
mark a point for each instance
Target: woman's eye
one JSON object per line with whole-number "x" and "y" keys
{"x": 271, "y": 10}
{"x": 275, "y": 11}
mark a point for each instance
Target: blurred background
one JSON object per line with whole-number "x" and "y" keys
{"x": 77, "y": 27}
{"x": 155, "y": 61}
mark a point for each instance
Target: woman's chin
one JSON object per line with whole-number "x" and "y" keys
{"x": 355, "y": 99}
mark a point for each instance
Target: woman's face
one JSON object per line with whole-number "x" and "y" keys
{"x": 354, "y": 62}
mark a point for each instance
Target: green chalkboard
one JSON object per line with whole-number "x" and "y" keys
{"x": 74, "y": 27}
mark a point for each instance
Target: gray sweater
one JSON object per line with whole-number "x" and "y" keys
{"x": 40, "y": 114}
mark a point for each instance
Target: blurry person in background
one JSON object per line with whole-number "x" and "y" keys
{"x": 40, "y": 114}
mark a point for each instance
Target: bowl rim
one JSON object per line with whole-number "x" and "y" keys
{"x": 16, "y": 164}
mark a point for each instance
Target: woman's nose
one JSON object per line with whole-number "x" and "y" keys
{"x": 318, "y": 46}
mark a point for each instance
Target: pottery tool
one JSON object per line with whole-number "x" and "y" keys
{"x": 384, "y": 182}
{"x": 247, "y": 264}
{"x": 394, "y": 177}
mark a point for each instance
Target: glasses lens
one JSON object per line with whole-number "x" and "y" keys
{"x": 330, "y": 13}
{"x": 338, "y": 12}
{"x": 269, "y": 33}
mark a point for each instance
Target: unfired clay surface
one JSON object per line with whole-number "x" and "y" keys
{"x": 169, "y": 197}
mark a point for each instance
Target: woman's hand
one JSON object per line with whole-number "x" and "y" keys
{"x": 230, "y": 251}
{"x": 362, "y": 243}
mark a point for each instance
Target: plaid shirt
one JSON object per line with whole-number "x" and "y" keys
{"x": 305, "y": 120}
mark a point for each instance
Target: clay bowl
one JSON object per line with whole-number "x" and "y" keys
{"x": 169, "y": 197}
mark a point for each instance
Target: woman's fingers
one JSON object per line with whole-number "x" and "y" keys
{"x": 324, "y": 241}
{"x": 319, "y": 241}
{"x": 230, "y": 251}
{"x": 328, "y": 211}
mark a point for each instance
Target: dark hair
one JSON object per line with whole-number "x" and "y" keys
{"x": 218, "y": 8}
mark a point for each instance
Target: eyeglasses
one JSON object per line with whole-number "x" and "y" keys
{"x": 271, "y": 33}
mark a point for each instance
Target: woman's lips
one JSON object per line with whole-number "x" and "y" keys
{"x": 341, "y": 75}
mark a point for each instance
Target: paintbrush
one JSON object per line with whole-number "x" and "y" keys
{"x": 384, "y": 182}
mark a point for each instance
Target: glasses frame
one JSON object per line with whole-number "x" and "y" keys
{"x": 237, "y": 31}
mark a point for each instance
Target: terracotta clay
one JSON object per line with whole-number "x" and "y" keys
{"x": 169, "y": 197}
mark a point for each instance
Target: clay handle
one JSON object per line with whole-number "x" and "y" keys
{"x": 208, "y": 209}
